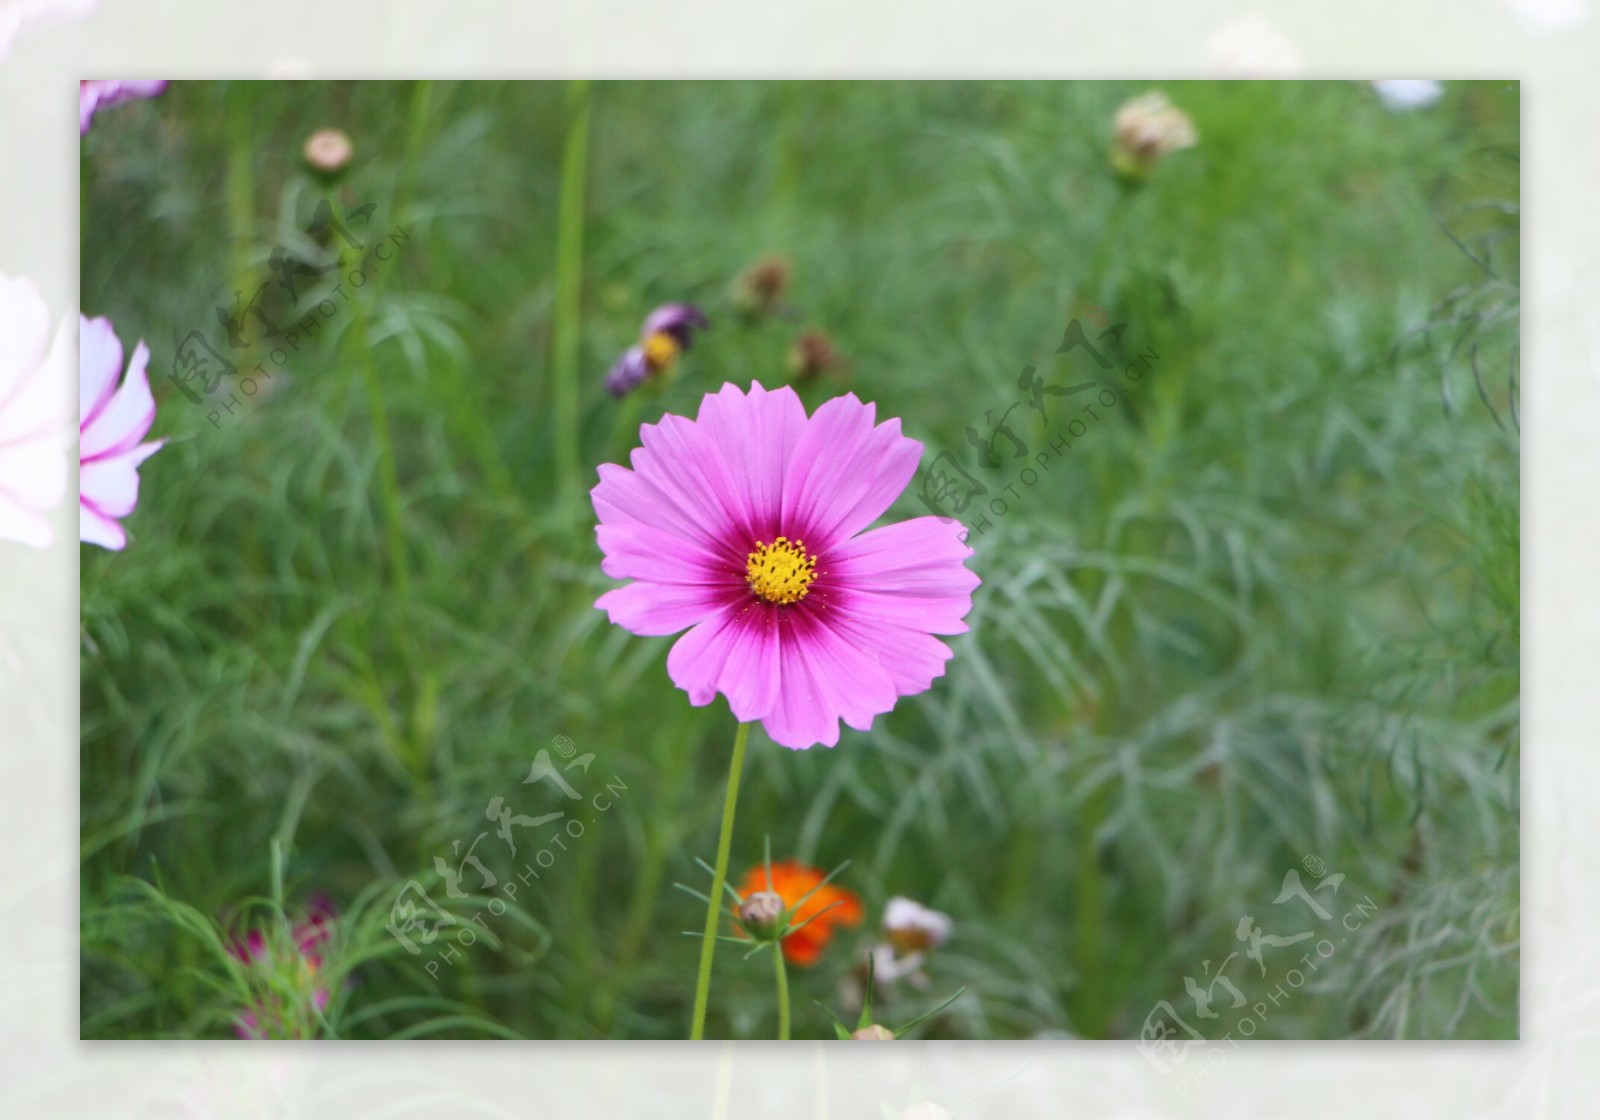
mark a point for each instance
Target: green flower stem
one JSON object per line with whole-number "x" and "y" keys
{"x": 708, "y": 946}
{"x": 569, "y": 287}
{"x": 241, "y": 196}
{"x": 388, "y": 472}
{"x": 783, "y": 993}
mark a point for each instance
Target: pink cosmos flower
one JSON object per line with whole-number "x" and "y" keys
{"x": 93, "y": 96}
{"x": 33, "y": 418}
{"x": 111, "y": 422}
{"x": 744, "y": 526}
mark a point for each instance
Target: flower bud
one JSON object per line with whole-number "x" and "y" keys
{"x": 761, "y": 288}
{"x": 812, "y": 355}
{"x": 874, "y": 1033}
{"x": 762, "y": 915}
{"x": 328, "y": 150}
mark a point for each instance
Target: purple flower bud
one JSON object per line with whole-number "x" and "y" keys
{"x": 679, "y": 320}
{"x": 628, "y": 373}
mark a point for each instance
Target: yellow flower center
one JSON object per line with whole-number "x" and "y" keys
{"x": 781, "y": 572}
{"x": 661, "y": 350}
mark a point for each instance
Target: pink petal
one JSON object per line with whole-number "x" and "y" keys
{"x": 634, "y": 550}
{"x": 654, "y": 609}
{"x": 111, "y": 483}
{"x": 99, "y": 366}
{"x": 734, "y": 652}
{"x": 126, "y": 417}
{"x": 914, "y": 659}
{"x": 756, "y": 435}
{"x": 657, "y": 496}
{"x": 825, "y": 678}
{"x": 96, "y": 95}
{"x": 911, "y": 573}
{"x": 680, "y": 457}
{"x": 845, "y": 473}
{"x": 95, "y": 527}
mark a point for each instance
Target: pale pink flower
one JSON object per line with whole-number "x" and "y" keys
{"x": 111, "y": 422}
{"x": 33, "y": 418}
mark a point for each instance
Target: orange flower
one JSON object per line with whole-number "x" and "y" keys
{"x": 791, "y": 881}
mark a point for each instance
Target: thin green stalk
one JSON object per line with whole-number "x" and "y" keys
{"x": 416, "y": 131}
{"x": 783, "y": 993}
{"x": 388, "y": 473}
{"x": 241, "y": 201}
{"x": 719, "y": 876}
{"x": 569, "y": 287}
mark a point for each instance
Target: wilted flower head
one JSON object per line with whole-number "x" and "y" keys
{"x": 328, "y": 150}
{"x": 1148, "y": 129}
{"x": 1405, "y": 95}
{"x": 94, "y": 96}
{"x": 296, "y": 992}
{"x": 111, "y": 422}
{"x": 668, "y": 332}
{"x": 761, "y": 288}
{"x": 828, "y": 906}
{"x": 912, "y": 927}
{"x": 33, "y": 417}
{"x": 813, "y": 355}
{"x": 745, "y": 526}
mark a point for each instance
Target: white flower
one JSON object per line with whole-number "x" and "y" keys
{"x": 889, "y": 967}
{"x": 911, "y": 926}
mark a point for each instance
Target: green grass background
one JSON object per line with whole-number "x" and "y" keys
{"x": 1267, "y": 607}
